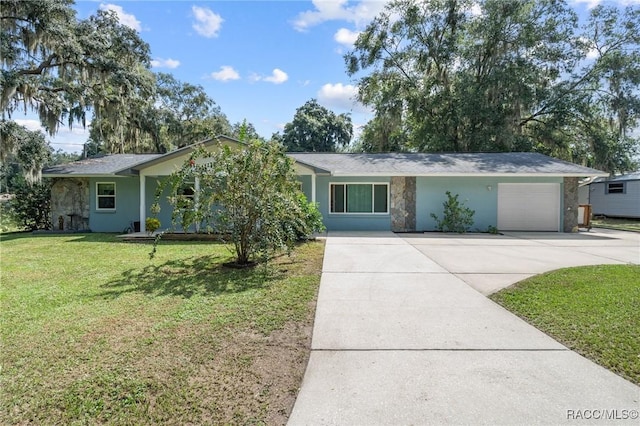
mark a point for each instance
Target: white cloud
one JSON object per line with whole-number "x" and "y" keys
{"x": 346, "y": 37}
{"x": 226, "y": 73}
{"x": 30, "y": 124}
{"x": 207, "y": 23}
{"x": 277, "y": 77}
{"x": 342, "y": 96}
{"x": 592, "y": 53}
{"x": 165, "y": 63}
{"x": 475, "y": 10}
{"x": 125, "y": 18}
{"x": 589, "y": 3}
{"x": 69, "y": 140}
{"x": 338, "y": 10}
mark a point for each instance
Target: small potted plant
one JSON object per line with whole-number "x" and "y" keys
{"x": 152, "y": 225}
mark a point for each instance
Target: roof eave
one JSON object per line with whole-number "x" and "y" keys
{"x": 339, "y": 173}
{"x": 82, "y": 175}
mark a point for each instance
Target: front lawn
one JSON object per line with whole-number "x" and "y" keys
{"x": 593, "y": 310}
{"x": 617, "y": 223}
{"x": 95, "y": 332}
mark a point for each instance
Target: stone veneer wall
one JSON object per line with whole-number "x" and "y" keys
{"x": 70, "y": 196}
{"x": 403, "y": 204}
{"x": 570, "y": 204}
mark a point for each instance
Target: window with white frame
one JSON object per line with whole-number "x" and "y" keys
{"x": 370, "y": 198}
{"x": 615, "y": 188}
{"x": 105, "y": 196}
{"x": 187, "y": 195}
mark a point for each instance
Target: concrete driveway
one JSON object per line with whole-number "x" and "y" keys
{"x": 404, "y": 335}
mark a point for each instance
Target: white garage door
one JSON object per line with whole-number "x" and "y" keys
{"x": 528, "y": 206}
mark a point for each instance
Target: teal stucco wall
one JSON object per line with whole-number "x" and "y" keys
{"x": 127, "y": 205}
{"x": 473, "y": 191}
{"x": 166, "y": 210}
{"x": 305, "y": 180}
{"x": 348, "y": 222}
{"x": 430, "y": 194}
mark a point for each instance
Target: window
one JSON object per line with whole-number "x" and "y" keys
{"x": 359, "y": 198}
{"x": 186, "y": 195}
{"x": 615, "y": 188}
{"x": 105, "y": 196}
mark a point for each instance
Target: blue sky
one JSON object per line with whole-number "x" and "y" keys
{"x": 258, "y": 60}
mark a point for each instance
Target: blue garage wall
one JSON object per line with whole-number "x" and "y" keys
{"x": 349, "y": 222}
{"x": 127, "y": 205}
{"x": 473, "y": 191}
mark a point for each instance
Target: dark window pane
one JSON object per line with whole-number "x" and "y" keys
{"x": 106, "y": 202}
{"x": 188, "y": 190}
{"x": 106, "y": 189}
{"x": 359, "y": 198}
{"x": 380, "y": 199}
{"x": 337, "y": 198}
{"x": 615, "y": 188}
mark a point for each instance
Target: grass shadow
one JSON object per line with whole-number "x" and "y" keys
{"x": 185, "y": 278}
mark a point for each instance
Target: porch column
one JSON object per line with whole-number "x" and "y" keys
{"x": 143, "y": 204}
{"x": 313, "y": 188}
{"x": 196, "y": 198}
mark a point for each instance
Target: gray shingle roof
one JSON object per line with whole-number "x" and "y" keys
{"x": 126, "y": 164}
{"x": 620, "y": 178}
{"x": 99, "y": 166}
{"x": 410, "y": 164}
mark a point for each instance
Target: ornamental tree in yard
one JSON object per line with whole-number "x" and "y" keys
{"x": 250, "y": 196}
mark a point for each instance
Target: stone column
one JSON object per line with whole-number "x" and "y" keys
{"x": 403, "y": 204}
{"x": 570, "y": 223}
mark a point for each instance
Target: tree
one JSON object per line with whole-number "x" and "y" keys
{"x": 511, "y": 77}
{"x": 61, "y": 67}
{"x": 245, "y": 131}
{"x": 316, "y": 129}
{"x": 250, "y": 195}
{"x": 26, "y": 149}
{"x": 174, "y": 115}
{"x": 31, "y": 206}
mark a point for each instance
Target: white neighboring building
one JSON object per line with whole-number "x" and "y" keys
{"x": 617, "y": 196}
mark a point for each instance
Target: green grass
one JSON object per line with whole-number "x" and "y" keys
{"x": 617, "y": 223}
{"x": 593, "y": 310}
{"x": 93, "y": 331}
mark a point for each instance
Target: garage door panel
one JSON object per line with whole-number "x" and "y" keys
{"x": 528, "y": 206}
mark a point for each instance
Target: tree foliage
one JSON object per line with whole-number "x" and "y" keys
{"x": 174, "y": 114}
{"x": 27, "y": 149}
{"x": 61, "y": 67}
{"x": 31, "y": 205}
{"x": 316, "y": 129}
{"x": 501, "y": 75}
{"x": 249, "y": 195}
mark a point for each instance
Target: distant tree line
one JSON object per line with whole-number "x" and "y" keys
{"x": 501, "y": 75}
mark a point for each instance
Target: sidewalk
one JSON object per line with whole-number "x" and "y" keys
{"x": 398, "y": 339}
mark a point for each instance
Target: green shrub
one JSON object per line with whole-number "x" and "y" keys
{"x": 152, "y": 224}
{"x": 456, "y": 216}
{"x": 31, "y": 205}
